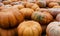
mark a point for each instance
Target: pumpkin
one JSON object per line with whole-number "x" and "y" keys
{"x": 10, "y": 18}
{"x": 29, "y": 28}
{"x": 41, "y": 3}
{"x": 8, "y": 32}
{"x": 42, "y": 17}
{"x": 56, "y": 7}
{"x": 52, "y": 4}
{"x": 27, "y": 12}
{"x": 54, "y": 11}
{"x": 32, "y": 6}
{"x": 6, "y": 2}
{"x": 53, "y": 29}
{"x": 58, "y": 17}
{"x": 1, "y": 6}
{"x": 42, "y": 9}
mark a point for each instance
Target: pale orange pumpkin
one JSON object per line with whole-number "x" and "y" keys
{"x": 29, "y": 28}
{"x": 54, "y": 11}
{"x": 42, "y": 17}
{"x": 52, "y": 4}
{"x": 8, "y": 32}
{"x": 27, "y": 12}
{"x": 58, "y": 17}
{"x": 53, "y": 29}
{"x": 10, "y": 17}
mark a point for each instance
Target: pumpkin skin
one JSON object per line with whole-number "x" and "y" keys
{"x": 27, "y": 12}
{"x": 42, "y": 17}
{"x": 10, "y": 18}
{"x": 58, "y": 17}
{"x": 52, "y": 4}
{"x": 53, "y": 29}
{"x": 29, "y": 28}
{"x": 54, "y": 11}
{"x": 8, "y": 32}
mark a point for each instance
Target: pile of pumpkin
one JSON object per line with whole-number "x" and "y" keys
{"x": 30, "y": 18}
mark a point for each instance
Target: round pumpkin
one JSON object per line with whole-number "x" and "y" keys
{"x": 52, "y": 4}
{"x": 42, "y": 17}
{"x": 53, "y": 29}
{"x": 6, "y": 2}
{"x": 8, "y": 32}
{"x": 29, "y": 28}
{"x": 58, "y": 17}
{"x": 10, "y": 18}
{"x": 41, "y": 3}
{"x": 27, "y": 12}
{"x": 32, "y": 6}
{"x": 54, "y": 11}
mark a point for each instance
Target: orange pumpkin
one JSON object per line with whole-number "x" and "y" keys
{"x": 32, "y": 6}
{"x": 6, "y": 2}
{"x": 27, "y": 12}
{"x": 29, "y": 28}
{"x": 8, "y": 32}
{"x": 10, "y": 17}
{"x": 42, "y": 17}
{"x": 52, "y": 4}
{"x": 53, "y": 29}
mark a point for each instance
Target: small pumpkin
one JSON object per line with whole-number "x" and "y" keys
{"x": 53, "y": 29}
{"x": 52, "y": 4}
{"x": 10, "y": 18}
{"x": 58, "y": 17}
{"x": 32, "y": 6}
{"x": 6, "y": 2}
{"x": 42, "y": 17}
{"x": 27, "y": 12}
{"x": 54, "y": 11}
{"x": 29, "y": 28}
{"x": 42, "y": 9}
{"x": 8, "y": 32}
{"x": 41, "y": 3}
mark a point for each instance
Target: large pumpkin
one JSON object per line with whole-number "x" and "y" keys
{"x": 10, "y": 17}
{"x": 29, "y": 28}
{"x": 52, "y": 4}
{"x": 58, "y": 17}
{"x": 8, "y": 32}
{"x": 42, "y": 17}
{"x": 54, "y": 11}
{"x": 27, "y": 12}
{"x": 53, "y": 29}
